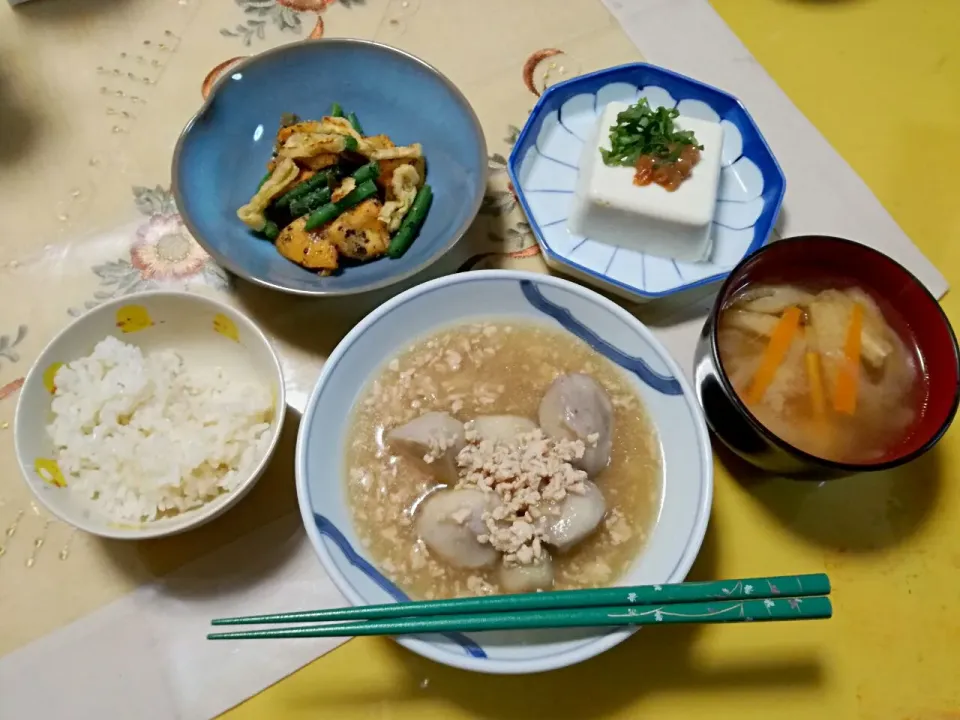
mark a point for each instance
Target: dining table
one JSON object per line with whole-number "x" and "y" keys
{"x": 93, "y": 96}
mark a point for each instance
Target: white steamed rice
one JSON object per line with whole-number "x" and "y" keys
{"x": 144, "y": 436}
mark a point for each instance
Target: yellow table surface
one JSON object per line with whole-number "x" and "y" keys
{"x": 881, "y": 80}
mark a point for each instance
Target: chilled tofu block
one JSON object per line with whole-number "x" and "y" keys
{"x": 609, "y": 208}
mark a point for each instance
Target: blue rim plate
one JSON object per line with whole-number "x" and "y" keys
{"x": 223, "y": 151}
{"x": 674, "y": 537}
{"x": 544, "y": 167}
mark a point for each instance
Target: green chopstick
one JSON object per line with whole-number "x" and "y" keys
{"x": 722, "y": 611}
{"x": 756, "y": 588}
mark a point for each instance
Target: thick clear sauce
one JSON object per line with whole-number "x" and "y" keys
{"x": 496, "y": 367}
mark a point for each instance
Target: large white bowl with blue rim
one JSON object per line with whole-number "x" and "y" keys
{"x": 544, "y": 167}
{"x": 676, "y": 535}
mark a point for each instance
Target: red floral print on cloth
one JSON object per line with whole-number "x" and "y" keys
{"x": 506, "y": 227}
{"x": 161, "y": 252}
{"x": 218, "y": 70}
{"x": 164, "y": 250}
{"x": 208, "y": 82}
{"x": 259, "y": 16}
{"x": 531, "y": 65}
{"x": 10, "y": 388}
{"x": 306, "y": 5}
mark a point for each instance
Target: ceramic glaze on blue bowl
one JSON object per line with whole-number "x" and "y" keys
{"x": 544, "y": 166}
{"x": 223, "y": 151}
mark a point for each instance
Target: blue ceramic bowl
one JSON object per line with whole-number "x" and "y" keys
{"x": 223, "y": 151}
{"x": 544, "y": 167}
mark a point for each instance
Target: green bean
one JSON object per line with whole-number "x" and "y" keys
{"x": 310, "y": 202}
{"x": 349, "y": 143}
{"x": 271, "y": 230}
{"x": 336, "y": 110}
{"x": 318, "y": 198}
{"x": 320, "y": 180}
{"x": 331, "y": 211}
{"x": 355, "y": 121}
{"x": 370, "y": 171}
{"x": 410, "y": 226}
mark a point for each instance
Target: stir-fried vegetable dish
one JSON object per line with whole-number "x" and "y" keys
{"x": 333, "y": 195}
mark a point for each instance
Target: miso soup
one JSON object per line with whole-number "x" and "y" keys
{"x": 823, "y": 368}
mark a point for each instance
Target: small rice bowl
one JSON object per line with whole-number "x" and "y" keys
{"x": 145, "y": 436}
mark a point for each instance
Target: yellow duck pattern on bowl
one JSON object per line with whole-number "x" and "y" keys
{"x": 49, "y": 472}
{"x": 133, "y": 318}
{"x": 50, "y": 376}
{"x": 226, "y": 327}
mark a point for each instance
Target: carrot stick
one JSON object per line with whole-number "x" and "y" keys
{"x": 817, "y": 397}
{"x": 775, "y": 352}
{"x": 848, "y": 378}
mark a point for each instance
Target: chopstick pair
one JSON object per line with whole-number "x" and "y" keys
{"x": 794, "y": 597}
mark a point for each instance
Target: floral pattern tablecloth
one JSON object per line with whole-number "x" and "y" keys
{"x": 93, "y": 96}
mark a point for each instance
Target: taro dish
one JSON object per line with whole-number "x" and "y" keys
{"x": 499, "y": 457}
